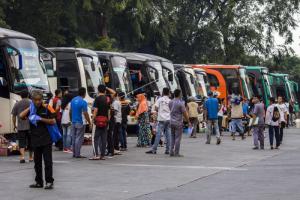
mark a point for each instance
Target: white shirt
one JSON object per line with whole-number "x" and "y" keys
{"x": 117, "y": 111}
{"x": 163, "y": 108}
{"x": 66, "y": 115}
{"x": 269, "y": 115}
{"x": 283, "y": 109}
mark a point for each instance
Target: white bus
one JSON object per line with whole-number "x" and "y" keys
{"x": 75, "y": 68}
{"x": 21, "y": 68}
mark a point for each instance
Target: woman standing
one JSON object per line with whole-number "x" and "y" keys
{"x": 144, "y": 125}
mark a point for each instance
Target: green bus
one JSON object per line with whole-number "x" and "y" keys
{"x": 282, "y": 86}
{"x": 260, "y": 82}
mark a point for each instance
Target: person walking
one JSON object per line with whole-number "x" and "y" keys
{"x": 211, "y": 116}
{"x": 23, "y": 127}
{"x": 283, "y": 109}
{"x": 79, "y": 107}
{"x": 125, "y": 112}
{"x": 193, "y": 108}
{"x": 40, "y": 116}
{"x": 272, "y": 120}
{"x": 101, "y": 116}
{"x": 177, "y": 112}
{"x": 258, "y": 123}
{"x": 66, "y": 123}
{"x": 236, "y": 115}
{"x": 144, "y": 122}
{"x": 163, "y": 118}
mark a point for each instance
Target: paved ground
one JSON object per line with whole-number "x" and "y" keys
{"x": 229, "y": 171}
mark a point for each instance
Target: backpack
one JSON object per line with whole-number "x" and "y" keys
{"x": 276, "y": 114}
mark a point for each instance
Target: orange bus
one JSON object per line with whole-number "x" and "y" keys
{"x": 227, "y": 79}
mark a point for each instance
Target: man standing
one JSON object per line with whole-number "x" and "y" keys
{"x": 192, "y": 107}
{"x": 212, "y": 106}
{"x": 283, "y": 109}
{"x": 163, "y": 118}
{"x": 258, "y": 123}
{"x": 177, "y": 112}
{"x": 236, "y": 116}
{"x": 40, "y": 116}
{"x": 101, "y": 118}
{"x": 125, "y": 112}
{"x": 23, "y": 127}
{"x": 272, "y": 120}
{"x": 79, "y": 107}
{"x": 117, "y": 110}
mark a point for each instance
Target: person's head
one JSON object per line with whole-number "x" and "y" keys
{"x": 141, "y": 97}
{"x": 58, "y": 93}
{"x": 65, "y": 91}
{"x": 24, "y": 94}
{"x": 272, "y": 100}
{"x": 102, "y": 88}
{"x": 280, "y": 99}
{"x": 191, "y": 99}
{"x": 255, "y": 99}
{"x": 166, "y": 91}
{"x": 210, "y": 93}
{"x": 37, "y": 97}
{"x": 177, "y": 93}
{"x": 121, "y": 95}
{"x": 82, "y": 92}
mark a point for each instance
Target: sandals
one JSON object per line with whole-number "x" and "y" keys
{"x": 94, "y": 158}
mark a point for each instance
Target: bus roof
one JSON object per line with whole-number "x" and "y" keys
{"x": 138, "y": 57}
{"x": 109, "y": 53}
{"x": 6, "y": 33}
{"x": 256, "y": 67}
{"x": 155, "y": 57}
{"x": 216, "y": 66}
{"x": 72, "y": 49}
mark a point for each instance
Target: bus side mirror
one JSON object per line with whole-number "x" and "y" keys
{"x": 170, "y": 77}
{"x": 20, "y": 61}
{"x": 93, "y": 66}
{"x": 192, "y": 80}
{"x": 17, "y": 61}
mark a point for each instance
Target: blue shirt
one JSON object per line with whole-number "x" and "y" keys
{"x": 245, "y": 108}
{"x": 78, "y": 107}
{"x": 212, "y": 107}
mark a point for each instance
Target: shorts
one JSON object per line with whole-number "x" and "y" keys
{"x": 24, "y": 139}
{"x": 237, "y": 126}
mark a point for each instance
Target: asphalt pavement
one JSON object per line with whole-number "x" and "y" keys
{"x": 229, "y": 171}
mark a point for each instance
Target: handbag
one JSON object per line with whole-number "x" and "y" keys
{"x": 101, "y": 121}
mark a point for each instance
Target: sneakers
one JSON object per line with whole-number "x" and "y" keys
{"x": 207, "y": 142}
{"x": 167, "y": 153}
{"x": 22, "y": 161}
{"x": 151, "y": 152}
{"x": 36, "y": 185}
{"x": 218, "y": 141}
{"x": 178, "y": 155}
{"x": 255, "y": 148}
{"x": 49, "y": 186}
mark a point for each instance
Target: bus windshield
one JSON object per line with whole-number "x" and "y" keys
{"x": 123, "y": 81}
{"x": 204, "y": 85}
{"x": 33, "y": 73}
{"x": 93, "y": 78}
{"x": 157, "y": 74}
{"x": 192, "y": 84}
{"x": 248, "y": 92}
{"x": 168, "y": 70}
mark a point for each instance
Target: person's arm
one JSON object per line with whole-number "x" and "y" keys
{"x": 14, "y": 119}
{"x": 111, "y": 91}
{"x": 48, "y": 121}
{"x": 23, "y": 115}
{"x": 87, "y": 118}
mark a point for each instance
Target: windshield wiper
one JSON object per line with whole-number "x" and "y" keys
{"x": 37, "y": 87}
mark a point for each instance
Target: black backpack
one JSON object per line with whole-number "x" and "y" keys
{"x": 276, "y": 114}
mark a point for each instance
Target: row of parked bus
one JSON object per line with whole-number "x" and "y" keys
{"x": 25, "y": 65}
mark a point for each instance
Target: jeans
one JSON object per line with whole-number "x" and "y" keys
{"x": 273, "y": 129}
{"x": 194, "y": 122}
{"x": 237, "y": 125}
{"x": 40, "y": 153}
{"x": 100, "y": 139}
{"x": 123, "y": 136}
{"x": 258, "y": 136}
{"x": 212, "y": 126}
{"x": 162, "y": 127}
{"x": 67, "y": 136}
{"x": 110, "y": 142}
{"x": 176, "y": 135}
{"x": 78, "y": 137}
{"x": 282, "y": 126}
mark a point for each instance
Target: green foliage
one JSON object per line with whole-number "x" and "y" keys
{"x": 185, "y": 31}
